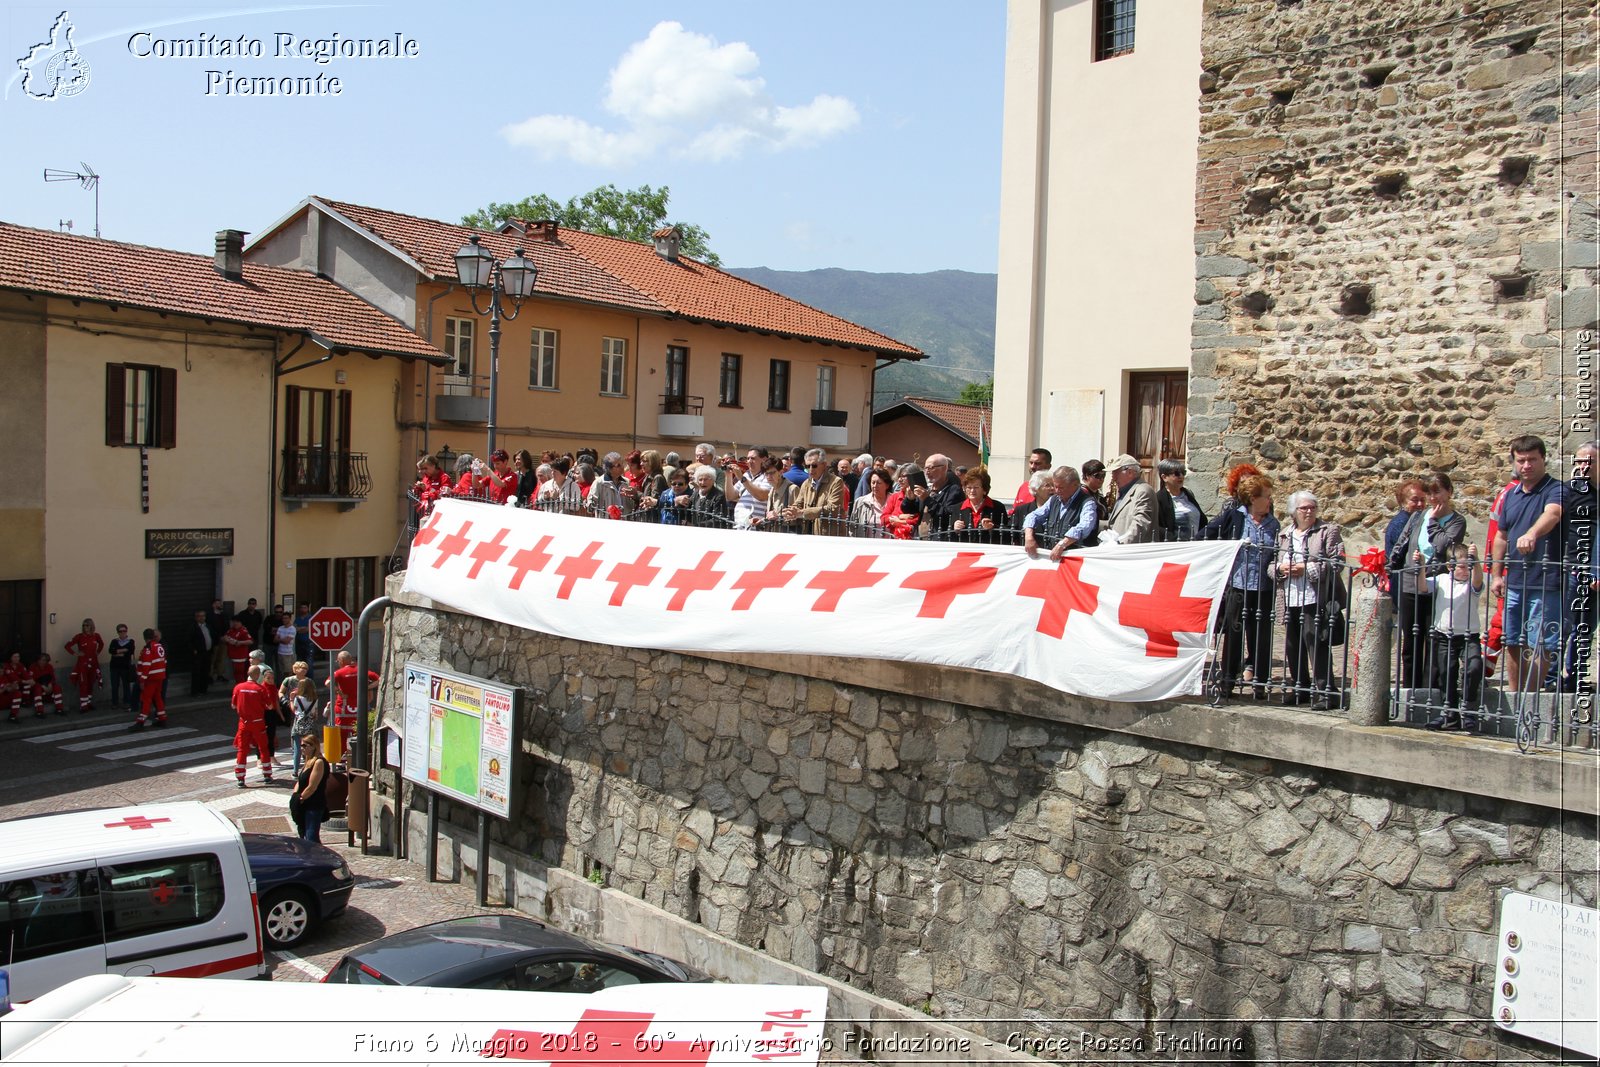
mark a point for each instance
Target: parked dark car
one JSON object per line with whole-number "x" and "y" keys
{"x": 504, "y": 952}
{"x": 299, "y": 885}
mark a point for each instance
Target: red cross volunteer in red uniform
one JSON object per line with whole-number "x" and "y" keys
{"x": 86, "y": 646}
{"x": 152, "y": 671}
{"x": 250, "y": 703}
{"x": 343, "y": 684}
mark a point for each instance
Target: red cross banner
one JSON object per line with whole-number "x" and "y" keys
{"x": 1125, "y": 622}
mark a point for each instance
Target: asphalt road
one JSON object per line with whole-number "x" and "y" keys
{"x": 73, "y": 761}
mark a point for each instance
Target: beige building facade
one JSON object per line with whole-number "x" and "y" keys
{"x": 622, "y": 345}
{"x": 1096, "y": 273}
{"x": 192, "y": 428}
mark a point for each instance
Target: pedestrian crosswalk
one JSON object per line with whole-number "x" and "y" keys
{"x": 177, "y": 748}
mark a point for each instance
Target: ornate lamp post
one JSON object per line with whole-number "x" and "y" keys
{"x": 515, "y": 278}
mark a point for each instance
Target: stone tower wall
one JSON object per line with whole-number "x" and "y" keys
{"x": 1437, "y": 161}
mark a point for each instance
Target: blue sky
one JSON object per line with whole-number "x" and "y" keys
{"x": 863, "y": 135}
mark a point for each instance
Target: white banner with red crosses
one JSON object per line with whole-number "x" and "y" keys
{"x": 1127, "y": 622}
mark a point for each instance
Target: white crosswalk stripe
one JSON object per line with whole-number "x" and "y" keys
{"x": 180, "y": 748}
{"x": 123, "y": 739}
{"x": 73, "y": 734}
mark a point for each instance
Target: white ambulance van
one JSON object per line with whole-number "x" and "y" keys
{"x": 160, "y": 889}
{"x": 109, "y": 1019}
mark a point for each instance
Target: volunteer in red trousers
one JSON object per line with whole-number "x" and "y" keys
{"x": 86, "y": 646}
{"x": 152, "y": 671}
{"x": 45, "y": 683}
{"x": 250, "y": 699}
{"x": 15, "y": 681}
{"x": 343, "y": 685}
{"x": 238, "y": 642}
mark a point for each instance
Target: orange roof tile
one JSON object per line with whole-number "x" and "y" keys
{"x": 160, "y": 279}
{"x": 959, "y": 418}
{"x": 618, "y": 273}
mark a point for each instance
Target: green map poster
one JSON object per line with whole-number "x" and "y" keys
{"x": 459, "y": 736}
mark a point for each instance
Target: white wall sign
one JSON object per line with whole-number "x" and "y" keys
{"x": 1547, "y": 972}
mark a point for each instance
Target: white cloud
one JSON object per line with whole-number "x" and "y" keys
{"x": 684, "y": 93}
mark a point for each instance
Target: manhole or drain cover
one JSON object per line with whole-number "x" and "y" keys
{"x": 267, "y": 824}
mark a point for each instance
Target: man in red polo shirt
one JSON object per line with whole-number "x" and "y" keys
{"x": 343, "y": 692}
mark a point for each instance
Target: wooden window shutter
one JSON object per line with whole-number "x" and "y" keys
{"x": 166, "y": 407}
{"x": 116, "y": 401}
{"x": 342, "y": 433}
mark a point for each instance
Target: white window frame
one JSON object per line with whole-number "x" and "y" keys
{"x": 613, "y": 366}
{"x": 460, "y": 335}
{"x": 544, "y": 343}
{"x": 825, "y": 387}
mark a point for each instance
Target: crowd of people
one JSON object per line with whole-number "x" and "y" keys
{"x": 1287, "y": 596}
{"x": 253, "y": 647}
{"x": 803, "y": 491}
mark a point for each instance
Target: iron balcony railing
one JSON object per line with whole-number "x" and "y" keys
{"x": 311, "y": 473}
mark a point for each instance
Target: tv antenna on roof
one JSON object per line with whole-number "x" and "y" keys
{"x": 86, "y": 178}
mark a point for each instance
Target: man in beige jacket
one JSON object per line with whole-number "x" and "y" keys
{"x": 820, "y": 498}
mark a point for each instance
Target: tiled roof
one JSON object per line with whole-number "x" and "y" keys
{"x": 159, "y": 279}
{"x": 626, "y": 274}
{"x": 959, "y": 418}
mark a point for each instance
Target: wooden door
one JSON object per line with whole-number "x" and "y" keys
{"x": 1158, "y": 410}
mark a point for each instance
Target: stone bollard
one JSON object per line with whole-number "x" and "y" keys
{"x": 1371, "y": 635}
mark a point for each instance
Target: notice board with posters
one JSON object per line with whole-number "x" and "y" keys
{"x": 460, "y": 732}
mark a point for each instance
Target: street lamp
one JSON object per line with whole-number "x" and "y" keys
{"x": 476, "y": 269}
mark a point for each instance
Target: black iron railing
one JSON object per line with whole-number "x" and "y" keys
{"x": 310, "y": 473}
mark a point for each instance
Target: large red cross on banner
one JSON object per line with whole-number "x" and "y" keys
{"x": 599, "y": 1039}
{"x": 941, "y": 587}
{"x": 488, "y": 552}
{"x": 1164, "y": 612}
{"x": 690, "y": 580}
{"x": 575, "y": 569}
{"x": 452, "y": 545}
{"x": 835, "y": 584}
{"x": 529, "y": 560}
{"x": 1063, "y": 592}
{"x": 627, "y": 575}
{"x": 429, "y": 531}
{"x": 754, "y": 583}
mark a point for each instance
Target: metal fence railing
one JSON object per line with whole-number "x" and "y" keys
{"x": 1519, "y": 666}
{"x": 1283, "y": 635}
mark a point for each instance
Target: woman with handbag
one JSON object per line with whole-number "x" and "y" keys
{"x": 1306, "y": 572}
{"x": 310, "y": 796}
{"x": 305, "y": 722}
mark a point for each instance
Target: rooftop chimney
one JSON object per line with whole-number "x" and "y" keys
{"x": 668, "y": 241}
{"x": 230, "y": 254}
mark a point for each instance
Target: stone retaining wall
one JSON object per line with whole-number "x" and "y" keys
{"x": 1396, "y": 242}
{"x": 993, "y": 863}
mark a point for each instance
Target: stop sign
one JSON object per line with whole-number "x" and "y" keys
{"x": 331, "y": 629}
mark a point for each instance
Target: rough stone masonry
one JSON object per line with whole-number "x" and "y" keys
{"x": 1395, "y": 236}
{"x": 986, "y": 862}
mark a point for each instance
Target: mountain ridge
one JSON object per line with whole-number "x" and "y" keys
{"x": 948, "y": 314}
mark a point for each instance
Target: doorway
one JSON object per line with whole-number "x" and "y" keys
{"x": 1158, "y": 411}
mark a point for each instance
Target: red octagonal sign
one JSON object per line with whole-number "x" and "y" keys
{"x": 331, "y": 628}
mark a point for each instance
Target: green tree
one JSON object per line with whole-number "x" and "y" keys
{"x": 977, "y": 394}
{"x": 632, "y": 214}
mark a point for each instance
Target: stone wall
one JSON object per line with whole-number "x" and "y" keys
{"x": 1395, "y": 239}
{"x": 1000, "y": 862}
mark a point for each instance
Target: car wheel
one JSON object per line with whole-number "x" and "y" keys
{"x": 287, "y": 917}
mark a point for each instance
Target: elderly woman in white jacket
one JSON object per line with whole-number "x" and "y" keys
{"x": 1306, "y": 571}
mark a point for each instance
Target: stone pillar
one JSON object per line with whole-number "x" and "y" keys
{"x": 1372, "y": 655}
